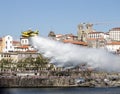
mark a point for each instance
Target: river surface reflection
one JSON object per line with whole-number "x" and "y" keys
{"x": 76, "y": 90}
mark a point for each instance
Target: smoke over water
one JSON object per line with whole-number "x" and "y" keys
{"x": 69, "y": 55}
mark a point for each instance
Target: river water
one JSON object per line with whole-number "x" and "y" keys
{"x": 76, "y": 90}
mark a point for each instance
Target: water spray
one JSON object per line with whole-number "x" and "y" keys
{"x": 70, "y": 55}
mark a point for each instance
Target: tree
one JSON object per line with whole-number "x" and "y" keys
{"x": 51, "y": 34}
{"x": 21, "y": 65}
{"x": 40, "y": 63}
{"x": 51, "y": 67}
{"x": 25, "y": 64}
{"x": 6, "y": 64}
{"x": 30, "y": 63}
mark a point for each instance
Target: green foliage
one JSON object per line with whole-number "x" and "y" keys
{"x": 6, "y": 64}
{"x": 29, "y": 63}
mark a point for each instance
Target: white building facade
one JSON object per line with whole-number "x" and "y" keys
{"x": 96, "y": 35}
{"x": 114, "y": 34}
{"x": 24, "y": 41}
{"x": 113, "y": 46}
{"x": 7, "y": 44}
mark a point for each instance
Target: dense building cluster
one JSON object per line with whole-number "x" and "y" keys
{"x": 86, "y": 36}
{"x": 16, "y": 50}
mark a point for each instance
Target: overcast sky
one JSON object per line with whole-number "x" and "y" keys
{"x": 61, "y": 16}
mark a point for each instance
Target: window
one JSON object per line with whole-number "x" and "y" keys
{"x": 22, "y": 41}
{"x": 1, "y": 55}
{"x": 25, "y": 41}
{"x": 8, "y": 38}
{"x": 4, "y": 55}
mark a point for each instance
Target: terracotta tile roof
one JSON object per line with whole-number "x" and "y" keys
{"x": 16, "y": 42}
{"x": 22, "y": 47}
{"x": 75, "y": 42}
{"x": 114, "y": 43}
{"x": 115, "y": 29}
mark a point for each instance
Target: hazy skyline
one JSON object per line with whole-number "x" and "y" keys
{"x": 61, "y": 16}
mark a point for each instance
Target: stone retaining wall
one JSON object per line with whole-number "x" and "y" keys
{"x": 93, "y": 79}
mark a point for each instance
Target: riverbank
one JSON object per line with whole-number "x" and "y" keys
{"x": 61, "y": 79}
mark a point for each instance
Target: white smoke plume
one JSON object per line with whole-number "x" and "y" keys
{"x": 70, "y": 55}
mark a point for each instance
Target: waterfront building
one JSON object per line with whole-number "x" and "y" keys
{"x": 115, "y": 34}
{"x": 16, "y": 50}
{"x": 97, "y": 39}
{"x": 24, "y": 41}
{"x": 9, "y": 56}
{"x": 24, "y": 55}
{"x": 16, "y": 56}
{"x": 7, "y": 44}
{"x": 113, "y": 46}
{"x": 96, "y": 35}
{"x": 96, "y": 42}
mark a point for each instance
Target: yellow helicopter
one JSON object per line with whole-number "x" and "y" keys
{"x": 30, "y": 33}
